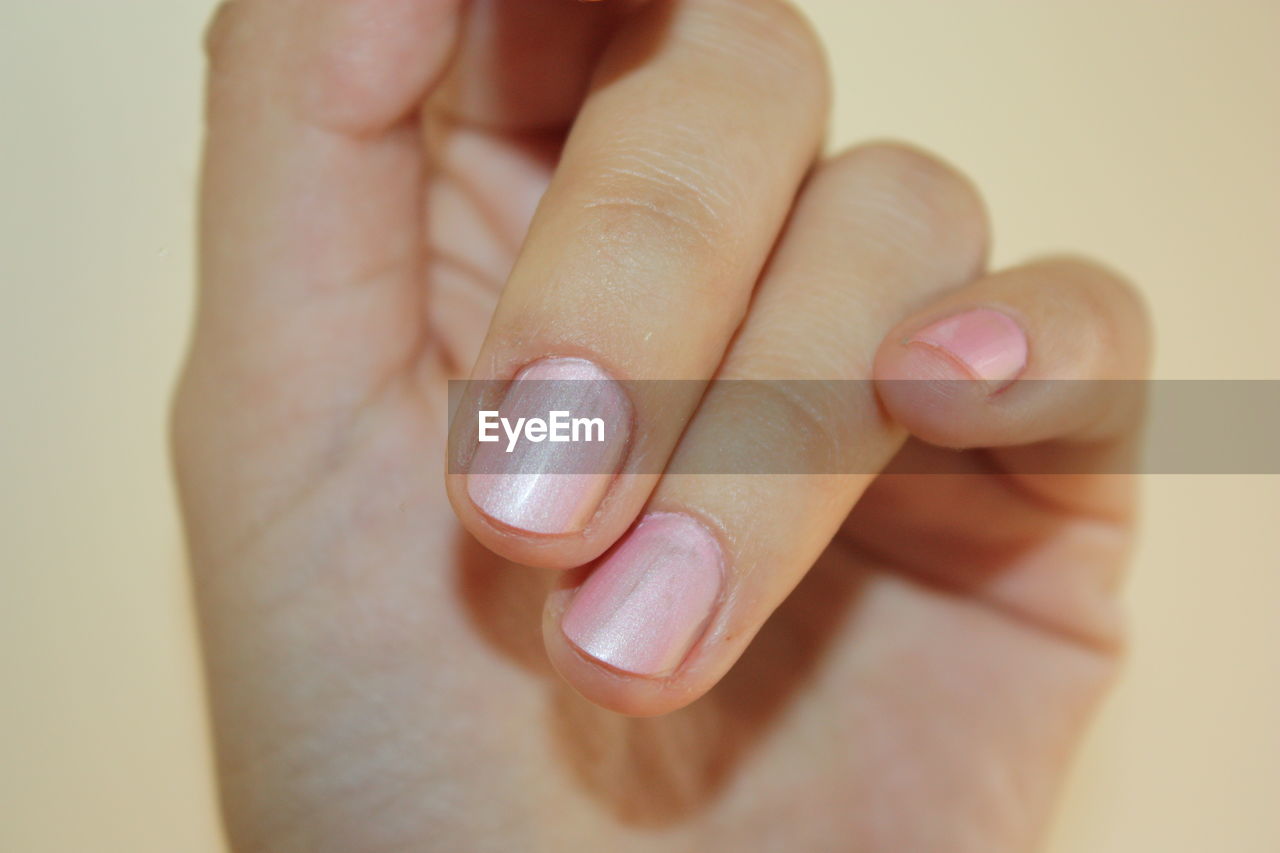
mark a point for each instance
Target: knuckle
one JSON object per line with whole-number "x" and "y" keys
{"x": 637, "y": 208}
{"x": 1084, "y": 281}
{"x": 925, "y": 201}
{"x": 895, "y": 158}
{"x": 225, "y": 32}
{"x": 777, "y": 41}
{"x": 1105, "y": 298}
{"x": 796, "y": 425}
{"x": 782, "y": 425}
{"x": 812, "y": 427}
{"x": 1094, "y": 276}
{"x": 781, "y": 24}
{"x": 182, "y": 418}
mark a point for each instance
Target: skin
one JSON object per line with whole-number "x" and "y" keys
{"x": 901, "y": 661}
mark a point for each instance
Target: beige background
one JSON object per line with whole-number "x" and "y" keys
{"x": 1145, "y": 132}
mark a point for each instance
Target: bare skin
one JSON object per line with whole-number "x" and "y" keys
{"x": 384, "y": 677}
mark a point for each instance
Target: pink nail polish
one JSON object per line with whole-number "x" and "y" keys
{"x": 530, "y": 487}
{"x": 987, "y": 343}
{"x": 648, "y": 602}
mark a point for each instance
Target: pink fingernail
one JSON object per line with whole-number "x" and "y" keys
{"x": 645, "y": 606}
{"x": 988, "y": 343}
{"x": 528, "y": 487}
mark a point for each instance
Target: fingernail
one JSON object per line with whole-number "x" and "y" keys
{"x": 648, "y": 602}
{"x": 528, "y": 487}
{"x": 987, "y": 343}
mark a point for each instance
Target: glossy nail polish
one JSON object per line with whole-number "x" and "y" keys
{"x": 988, "y": 344}
{"x": 649, "y": 601}
{"x": 549, "y": 487}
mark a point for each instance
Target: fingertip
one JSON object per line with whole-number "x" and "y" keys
{"x": 926, "y": 392}
{"x": 937, "y": 377}
{"x": 985, "y": 344}
{"x": 631, "y": 632}
{"x": 559, "y": 552}
{"x": 597, "y": 682}
{"x": 1022, "y": 356}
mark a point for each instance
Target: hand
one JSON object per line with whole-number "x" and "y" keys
{"x": 383, "y": 678}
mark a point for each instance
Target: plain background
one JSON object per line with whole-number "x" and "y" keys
{"x": 1145, "y": 132}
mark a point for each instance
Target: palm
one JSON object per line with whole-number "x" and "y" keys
{"x": 378, "y": 679}
{"x": 396, "y": 685}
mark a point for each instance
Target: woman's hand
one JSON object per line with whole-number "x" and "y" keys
{"x": 376, "y": 664}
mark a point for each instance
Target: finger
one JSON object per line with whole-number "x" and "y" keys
{"x": 310, "y": 238}
{"x": 666, "y": 613}
{"x": 1033, "y": 367}
{"x": 311, "y": 197}
{"x": 494, "y": 129}
{"x": 676, "y": 177}
{"x": 524, "y": 67}
{"x": 1026, "y": 361}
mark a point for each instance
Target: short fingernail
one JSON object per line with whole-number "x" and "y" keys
{"x": 988, "y": 343}
{"x": 551, "y": 487}
{"x": 649, "y": 601}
